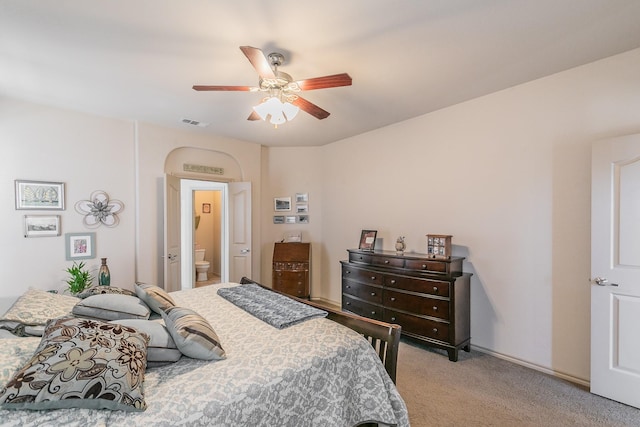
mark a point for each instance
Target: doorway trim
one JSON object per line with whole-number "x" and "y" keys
{"x": 187, "y": 189}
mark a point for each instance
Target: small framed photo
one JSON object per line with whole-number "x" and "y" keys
{"x": 278, "y": 219}
{"x": 80, "y": 246}
{"x": 206, "y": 208}
{"x": 290, "y": 219}
{"x": 303, "y": 219}
{"x": 302, "y": 208}
{"x": 368, "y": 240}
{"x": 41, "y": 225}
{"x": 302, "y": 197}
{"x": 39, "y": 195}
{"x": 282, "y": 204}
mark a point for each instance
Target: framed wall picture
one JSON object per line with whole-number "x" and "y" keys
{"x": 302, "y": 208}
{"x": 41, "y": 225}
{"x": 290, "y": 219}
{"x": 80, "y": 246}
{"x": 302, "y": 197}
{"x": 39, "y": 195}
{"x": 282, "y": 204}
{"x": 303, "y": 219}
{"x": 368, "y": 240}
{"x": 206, "y": 208}
{"x": 278, "y": 219}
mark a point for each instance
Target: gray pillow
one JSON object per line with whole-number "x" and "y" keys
{"x": 161, "y": 349}
{"x": 111, "y": 307}
{"x": 154, "y": 296}
{"x": 82, "y": 363}
{"x": 31, "y": 311}
{"x": 193, "y": 335}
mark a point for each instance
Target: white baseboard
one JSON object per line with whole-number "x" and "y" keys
{"x": 533, "y": 366}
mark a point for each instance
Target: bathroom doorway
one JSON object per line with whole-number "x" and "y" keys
{"x": 207, "y": 207}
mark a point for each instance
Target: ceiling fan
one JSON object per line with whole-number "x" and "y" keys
{"x": 280, "y": 87}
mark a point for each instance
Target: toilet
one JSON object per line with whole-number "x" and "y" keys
{"x": 202, "y": 266}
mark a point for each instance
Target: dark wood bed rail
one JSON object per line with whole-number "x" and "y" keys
{"x": 384, "y": 337}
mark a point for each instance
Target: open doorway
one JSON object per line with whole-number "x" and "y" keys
{"x": 203, "y": 203}
{"x": 207, "y": 208}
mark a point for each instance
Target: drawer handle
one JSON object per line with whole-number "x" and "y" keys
{"x": 424, "y": 266}
{"x": 393, "y": 281}
{"x": 435, "y": 308}
{"x": 393, "y": 319}
{"x": 373, "y": 277}
{"x": 386, "y": 261}
{"x": 435, "y": 330}
{"x": 393, "y": 298}
{"x": 373, "y": 294}
{"x": 348, "y": 286}
{"x": 435, "y": 289}
{"x": 348, "y": 303}
{"x": 348, "y": 271}
{"x": 373, "y": 313}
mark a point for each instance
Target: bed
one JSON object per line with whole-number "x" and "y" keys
{"x": 315, "y": 372}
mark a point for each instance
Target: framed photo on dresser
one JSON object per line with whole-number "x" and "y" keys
{"x": 367, "y": 240}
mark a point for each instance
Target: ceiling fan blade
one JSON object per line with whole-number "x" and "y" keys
{"x": 335, "y": 80}
{"x": 254, "y": 116}
{"x": 223, "y": 88}
{"x": 259, "y": 61}
{"x": 311, "y": 108}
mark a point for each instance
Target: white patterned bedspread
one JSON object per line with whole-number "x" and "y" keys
{"x": 316, "y": 373}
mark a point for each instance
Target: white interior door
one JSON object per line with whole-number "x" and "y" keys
{"x": 615, "y": 270}
{"x": 239, "y": 230}
{"x": 172, "y": 258}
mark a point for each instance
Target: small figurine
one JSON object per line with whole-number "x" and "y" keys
{"x": 400, "y": 246}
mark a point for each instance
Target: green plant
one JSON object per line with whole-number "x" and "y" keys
{"x": 80, "y": 278}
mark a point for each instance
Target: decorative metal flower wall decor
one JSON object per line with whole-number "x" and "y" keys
{"x": 99, "y": 210}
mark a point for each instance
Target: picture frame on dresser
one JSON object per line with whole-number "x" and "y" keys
{"x": 368, "y": 240}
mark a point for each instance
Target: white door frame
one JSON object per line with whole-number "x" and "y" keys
{"x": 187, "y": 187}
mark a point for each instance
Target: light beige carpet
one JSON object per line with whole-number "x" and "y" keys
{"x": 482, "y": 390}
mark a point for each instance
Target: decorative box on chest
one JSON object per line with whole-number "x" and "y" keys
{"x": 439, "y": 246}
{"x": 291, "y": 262}
{"x": 428, "y": 297}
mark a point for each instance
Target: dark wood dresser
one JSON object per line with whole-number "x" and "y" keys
{"x": 428, "y": 297}
{"x": 291, "y": 263}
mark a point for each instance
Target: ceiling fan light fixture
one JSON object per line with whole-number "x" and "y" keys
{"x": 280, "y": 112}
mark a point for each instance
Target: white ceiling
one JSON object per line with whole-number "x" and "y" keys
{"x": 137, "y": 59}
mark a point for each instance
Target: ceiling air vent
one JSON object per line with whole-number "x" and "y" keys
{"x": 194, "y": 123}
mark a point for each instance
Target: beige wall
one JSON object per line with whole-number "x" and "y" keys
{"x": 508, "y": 175}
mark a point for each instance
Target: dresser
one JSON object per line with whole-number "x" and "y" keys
{"x": 291, "y": 262}
{"x": 428, "y": 297}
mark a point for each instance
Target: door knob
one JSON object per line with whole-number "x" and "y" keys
{"x": 601, "y": 281}
{"x": 245, "y": 251}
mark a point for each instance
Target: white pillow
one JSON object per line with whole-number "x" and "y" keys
{"x": 161, "y": 349}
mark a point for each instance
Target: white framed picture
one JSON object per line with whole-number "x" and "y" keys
{"x": 39, "y": 195}
{"x": 41, "y": 225}
{"x": 282, "y": 204}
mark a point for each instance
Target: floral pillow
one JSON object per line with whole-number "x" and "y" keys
{"x": 82, "y": 363}
{"x": 99, "y": 289}
{"x": 34, "y": 308}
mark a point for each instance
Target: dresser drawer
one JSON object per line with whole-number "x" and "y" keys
{"x": 361, "y": 275}
{"x": 387, "y": 261}
{"x": 418, "y": 325}
{"x": 424, "y": 265}
{"x": 361, "y": 308}
{"x": 291, "y": 266}
{"x": 416, "y": 304}
{"x": 366, "y": 292}
{"x": 424, "y": 286}
{"x": 358, "y": 257}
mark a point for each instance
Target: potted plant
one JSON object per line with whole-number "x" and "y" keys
{"x": 80, "y": 278}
